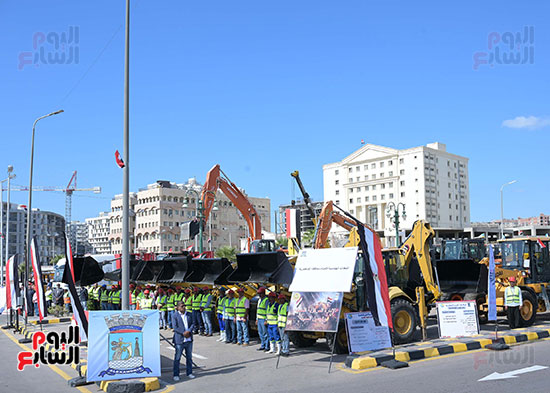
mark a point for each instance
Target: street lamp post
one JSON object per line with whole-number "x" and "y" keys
{"x": 29, "y": 207}
{"x": 502, "y": 207}
{"x": 7, "y": 237}
{"x": 393, "y": 210}
{"x": 199, "y": 212}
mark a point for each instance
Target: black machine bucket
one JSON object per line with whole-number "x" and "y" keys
{"x": 86, "y": 271}
{"x": 262, "y": 267}
{"x": 207, "y": 270}
{"x": 462, "y": 276}
{"x": 174, "y": 269}
{"x": 149, "y": 272}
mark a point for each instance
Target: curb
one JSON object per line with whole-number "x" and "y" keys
{"x": 131, "y": 385}
{"x": 51, "y": 321}
{"x": 356, "y": 362}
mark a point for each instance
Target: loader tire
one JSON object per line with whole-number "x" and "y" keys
{"x": 404, "y": 319}
{"x": 528, "y": 311}
{"x": 298, "y": 339}
{"x": 341, "y": 337}
{"x": 482, "y": 315}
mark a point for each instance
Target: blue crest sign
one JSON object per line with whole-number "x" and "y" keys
{"x": 123, "y": 345}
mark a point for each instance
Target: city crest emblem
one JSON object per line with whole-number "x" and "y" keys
{"x": 125, "y": 344}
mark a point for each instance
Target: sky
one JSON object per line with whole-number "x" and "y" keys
{"x": 266, "y": 88}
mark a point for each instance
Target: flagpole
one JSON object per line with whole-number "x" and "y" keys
{"x": 125, "y": 267}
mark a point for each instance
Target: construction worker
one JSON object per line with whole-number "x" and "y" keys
{"x": 512, "y": 301}
{"x": 272, "y": 322}
{"x": 187, "y": 300}
{"x": 282, "y": 348}
{"x": 116, "y": 297}
{"x": 220, "y": 304}
{"x": 171, "y": 305}
{"x": 67, "y": 300}
{"x": 162, "y": 306}
{"x": 196, "y": 311}
{"x": 261, "y": 317}
{"x": 241, "y": 318}
{"x": 94, "y": 295}
{"x": 179, "y": 296}
{"x": 147, "y": 303}
{"x": 49, "y": 297}
{"x": 229, "y": 318}
{"x": 139, "y": 297}
{"x": 110, "y": 297}
{"x": 104, "y": 298}
{"x": 206, "y": 311}
{"x": 132, "y": 297}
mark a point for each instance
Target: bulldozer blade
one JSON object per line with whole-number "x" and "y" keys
{"x": 461, "y": 275}
{"x": 206, "y": 270}
{"x": 262, "y": 267}
{"x": 174, "y": 269}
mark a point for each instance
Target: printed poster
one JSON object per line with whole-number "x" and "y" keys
{"x": 123, "y": 344}
{"x": 314, "y": 311}
{"x": 364, "y": 335}
{"x": 457, "y": 318}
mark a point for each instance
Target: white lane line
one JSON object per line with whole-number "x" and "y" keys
{"x": 195, "y": 355}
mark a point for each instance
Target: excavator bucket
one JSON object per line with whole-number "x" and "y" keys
{"x": 175, "y": 269}
{"x": 461, "y": 276}
{"x": 262, "y": 267}
{"x": 207, "y": 270}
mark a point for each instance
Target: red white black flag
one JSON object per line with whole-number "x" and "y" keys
{"x": 12, "y": 282}
{"x": 79, "y": 314}
{"x": 118, "y": 159}
{"x": 38, "y": 287}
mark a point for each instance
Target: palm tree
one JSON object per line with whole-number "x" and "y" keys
{"x": 227, "y": 252}
{"x": 307, "y": 238}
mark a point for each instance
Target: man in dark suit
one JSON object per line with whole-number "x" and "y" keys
{"x": 182, "y": 323}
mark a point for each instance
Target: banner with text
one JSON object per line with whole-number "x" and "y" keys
{"x": 314, "y": 311}
{"x": 123, "y": 344}
{"x": 364, "y": 335}
{"x": 324, "y": 270}
{"x": 457, "y": 319}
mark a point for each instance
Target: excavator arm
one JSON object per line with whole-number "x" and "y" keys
{"x": 417, "y": 245}
{"x": 324, "y": 223}
{"x": 215, "y": 181}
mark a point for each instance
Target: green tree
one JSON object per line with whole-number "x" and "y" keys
{"x": 307, "y": 238}
{"x": 227, "y": 252}
{"x": 56, "y": 259}
{"x": 281, "y": 241}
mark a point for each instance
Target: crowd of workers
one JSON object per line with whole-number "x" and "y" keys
{"x": 231, "y": 310}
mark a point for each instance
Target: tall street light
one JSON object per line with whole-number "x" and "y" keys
{"x": 10, "y": 176}
{"x": 393, "y": 210}
{"x": 502, "y": 207}
{"x": 199, "y": 212}
{"x": 29, "y": 206}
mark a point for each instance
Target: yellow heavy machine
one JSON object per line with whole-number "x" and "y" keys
{"x": 527, "y": 259}
{"x": 412, "y": 283}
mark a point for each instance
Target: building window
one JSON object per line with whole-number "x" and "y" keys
{"x": 402, "y": 172}
{"x": 390, "y": 173}
{"x": 401, "y": 160}
{"x": 382, "y": 186}
{"x": 382, "y": 197}
{"x": 336, "y": 172}
{"x": 357, "y": 168}
{"x": 390, "y": 163}
{"x": 366, "y": 177}
{"x": 381, "y": 165}
{"x": 402, "y": 182}
{"x": 366, "y": 199}
{"x": 336, "y": 182}
{"x": 358, "y": 178}
{"x": 367, "y": 188}
{"x": 337, "y": 192}
{"x": 351, "y": 190}
{"x": 391, "y": 196}
{"x": 365, "y": 167}
{"x": 373, "y": 165}
{"x": 391, "y": 184}
{"x": 350, "y": 180}
{"x": 374, "y": 198}
{"x": 350, "y": 169}
{"x": 402, "y": 195}
{"x": 374, "y": 187}
{"x": 358, "y": 189}
{"x": 382, "y": 174}
{"x": 358, "y": 200}
{"x": 351, "y": 200}
{"x": 337, "y": 202}
{"x": 373, "y": 177}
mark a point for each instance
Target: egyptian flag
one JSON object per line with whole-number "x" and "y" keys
{"x": 376, "y": 282}
{"x": 38, "y": 287}
{"x": 119, "y": 160}
{"x": 541, "y": 244}
{"x": 79, "y": 314}
{"x": 12, "y": 282}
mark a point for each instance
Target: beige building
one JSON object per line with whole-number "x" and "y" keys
{"x": 115, "y": 223}
{"x": 159, "y": 216}
{"x": 98, "y": 233}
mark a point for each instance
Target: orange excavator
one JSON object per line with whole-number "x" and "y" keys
{"x": 215, "y": 181}
{"x": 325, "y": 220}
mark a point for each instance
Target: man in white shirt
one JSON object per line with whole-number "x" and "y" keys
{"x": 182, "y": 323}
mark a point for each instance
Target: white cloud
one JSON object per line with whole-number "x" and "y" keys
{"x": 529, "y": 123}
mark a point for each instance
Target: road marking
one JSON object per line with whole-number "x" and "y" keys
{"x": 195, "y": 355}
{"x": 54, "y": 368}
{"x": 511, "y": 374}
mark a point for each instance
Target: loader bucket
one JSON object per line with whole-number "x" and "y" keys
{"x": 135, "y": 268}
{"x": 262, "y": 267}
{"x": 461, "y": 275}
{"x": 150, "y": 271}
{"x": 86, "y": 271}
{"x": 206, "y": 270}
{"x": 175, "y": 269}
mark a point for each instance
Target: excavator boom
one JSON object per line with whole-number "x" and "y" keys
{"x": 324, "y": 223}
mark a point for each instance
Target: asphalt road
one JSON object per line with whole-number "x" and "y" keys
{"x": 227, "y": 366}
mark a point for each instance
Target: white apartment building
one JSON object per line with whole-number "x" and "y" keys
{"x": 115, "y": 224}
{"x": 431, "y": 182}
{"x": 98, "y": 233}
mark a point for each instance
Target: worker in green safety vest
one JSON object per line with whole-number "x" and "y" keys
{"x": 104, "y": 298}
{"x": 139, "y": 297}
{"x": 116, "y": 298}
{"x": 219, "y": 312}
{"x": 206, "y": 311}
{"x": 171, "y": 306}
{"x": 241, "y": 318}
{"x": 272, "y": 322}
{"x": 196, "y": 311}
{"x": 261, "y": 317}
{"x": 162, "y": 306}
{"x": 229, "y": 318}
{"x": 282, "y": 348}
{"x": 147, "y": 303}
{"x": 512, "y": 302}
{"x": 133, "y": 297}
{"x": 94, "y": 295}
